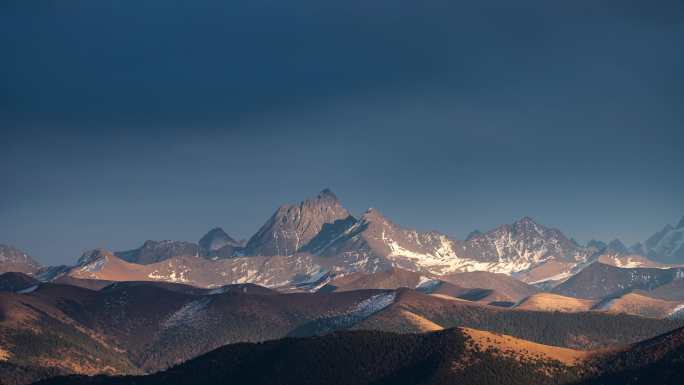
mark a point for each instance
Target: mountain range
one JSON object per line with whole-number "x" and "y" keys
{"x": 321, "y": 238}
{"x": 312, "y": 269}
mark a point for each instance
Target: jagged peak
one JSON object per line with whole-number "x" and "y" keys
{"x": 214, "y": 233}
{"x": 326, "y": 193}
{"x": 473, "y": 234}
{"x": 325, "y": 197}
{"x": 680, "y": 225}
{"x": 526, "y": 219}
{"x": 216, "y": 230}
{"x": 527, "y": 224}
{"x": 599, "y": 245}
{"x": 215, "y": 239}
{"x": 617, "y": 245}
{"x": 93, "y": 255}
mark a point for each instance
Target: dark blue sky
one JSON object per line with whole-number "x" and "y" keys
{"x": 132, "y": 120}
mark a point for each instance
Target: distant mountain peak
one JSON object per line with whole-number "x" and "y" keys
{"x": 89, "y": 256}
{"x": 527, "y": 223}
{"x": 667, "y": 245}
{"x": 155, "y": 251}
{"x": 617, "y": 245}
{"x": 13, "y": 259}
{"x": 473, "y": 234}
{"x": 215, "y": 239}
{"x": 526, "y": 220}
{"x": 326, "y": 193}
{"x": 596, "y": 244}
{"x": 292, "y": 226}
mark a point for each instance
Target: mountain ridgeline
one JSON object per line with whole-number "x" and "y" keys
{"x": 454, "y": 356}
{"x": 345, "y": 299}
{"x": 318, "y": 238}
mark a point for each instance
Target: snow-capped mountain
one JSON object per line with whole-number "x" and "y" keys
{"x": 667, "y": 245}
{"x": 13, "y": 259}
{"x": 374, "y": 238}
{"x": 313, "y": 241}
{"x": 89, "y": 256}
{"x": 508, "y": 249}
{"x": 291, "y": 227}
{"x": 524, "y": 245}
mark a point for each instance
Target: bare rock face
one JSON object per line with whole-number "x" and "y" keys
{"x": 156, "y": 251}
{"x": 92, "y": 256}
{"x": 667, "y": 245}
{"x": 292, "y": 227}
{"x": 218, "y": 244}
{"x": 599, "y": 280}
{"x": 15, "y": 260}
{"x": 524, "y": 242}
{"x": 374, "y": 236}
{"x": 216, "y": 239}
{"x": 521, "y": 246}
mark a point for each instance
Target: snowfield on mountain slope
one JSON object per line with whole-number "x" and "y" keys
{"x": 190, "y": 313}
{"x": 373, "y": 304}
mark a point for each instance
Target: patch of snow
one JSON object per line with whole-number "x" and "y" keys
{"x": 677, "y": 312}
{"x": 320, "y": 284}
{"x": 372, "y": 305}
{"x": 178, "y": 276}
{"x": 218, "y": 290}
{"x": 557, "y": 277}
{"x": 94, "y": 266}
{"x": 190, "y": 313}
{"x": 28, "y": 289}
{"x": 314, "y": 277}
{"x": 427, "y": 284}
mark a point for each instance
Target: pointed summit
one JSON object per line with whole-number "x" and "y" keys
{"x": 327, "y": 194}
{"x": 13, "y": 259}
{"x": 293, "y": 226}
{"x": 215, "y": 239}
{"x": 667, "y": 245}
{"x": 618, "y": 246}
{"x": 92, "y": 255}
{"x": 528, "y": 225}
{"x": 526, "y": 220}
{"x": 473, "y": 234}
{"x": 596, "y": 245}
